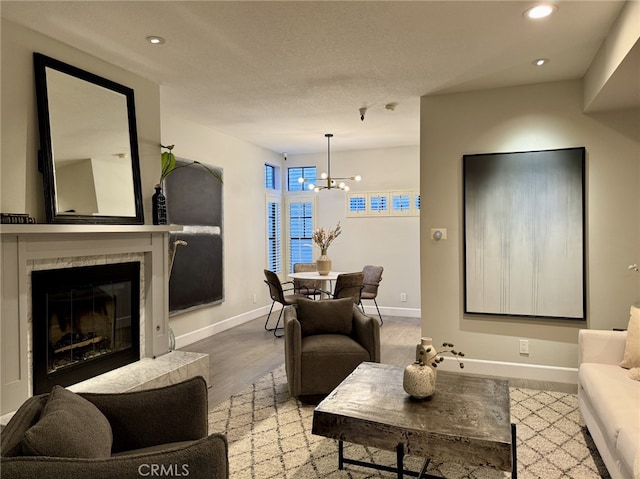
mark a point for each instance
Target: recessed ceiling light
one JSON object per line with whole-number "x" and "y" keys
{"x": 540, "y": 61}
{"x": 540, "y": 11}
{"x": 155, "y": 40}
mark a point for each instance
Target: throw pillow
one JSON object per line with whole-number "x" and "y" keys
{"x": 69, "y": 426}
{"x": 631, "y": 357}
{"x": 327, "y": 316}
{"x": 634, "y": 373}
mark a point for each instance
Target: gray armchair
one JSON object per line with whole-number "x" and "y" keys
{"x": 324, "y": 342}
{"x": 114, "y": 436}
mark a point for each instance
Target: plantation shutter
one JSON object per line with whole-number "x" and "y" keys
{"x": 300, "y": 232}
{"x": 274, "y": 243}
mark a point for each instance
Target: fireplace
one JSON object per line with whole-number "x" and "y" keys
{"x": 86, "y": 321}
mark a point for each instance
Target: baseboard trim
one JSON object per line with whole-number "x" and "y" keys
{"x": 536, "y": 372}
{"x": 203, "y": 333}
{"x": 370, "y": 309}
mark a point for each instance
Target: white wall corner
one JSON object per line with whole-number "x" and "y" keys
{"x": 616, "y": 60}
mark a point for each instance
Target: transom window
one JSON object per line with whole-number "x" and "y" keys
{"x": 308, "y": 173}
{"x": 269, "y": 177}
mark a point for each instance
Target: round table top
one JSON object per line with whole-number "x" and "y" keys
{"x": 315, "y": 275}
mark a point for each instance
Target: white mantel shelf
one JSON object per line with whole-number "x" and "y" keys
{"x": 46, "y": 228}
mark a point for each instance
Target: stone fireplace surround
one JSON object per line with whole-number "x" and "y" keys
{"x": 25, "y": 248}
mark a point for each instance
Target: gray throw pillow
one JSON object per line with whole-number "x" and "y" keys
{"x": 69, "y": 426}
{"x": 329, "y": 316}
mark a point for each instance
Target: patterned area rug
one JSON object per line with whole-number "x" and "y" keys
{"x": 269, "y": 435}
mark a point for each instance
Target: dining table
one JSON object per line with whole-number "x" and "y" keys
{"x": 327, "y": 279}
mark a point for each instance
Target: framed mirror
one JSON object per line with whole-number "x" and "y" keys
{"x": 88, "y": 146}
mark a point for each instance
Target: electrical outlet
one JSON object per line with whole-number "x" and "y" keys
{"x": 255, "y": 298}
{"x": 403, "y": 297}
{"x": 524, "y": 346}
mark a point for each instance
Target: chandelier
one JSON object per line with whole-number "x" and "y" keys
{"x": 332, "y": 182}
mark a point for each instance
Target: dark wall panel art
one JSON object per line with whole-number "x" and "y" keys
{"x": 524, "y": 233}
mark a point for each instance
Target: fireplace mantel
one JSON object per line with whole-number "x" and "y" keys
{"x": 75, "y": 229}
{"x": 23, "y": 246}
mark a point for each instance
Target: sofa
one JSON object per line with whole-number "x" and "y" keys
{"x": 609, "y": 395}
{"x": 155, "y": 432}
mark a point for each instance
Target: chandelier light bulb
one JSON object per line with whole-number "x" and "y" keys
{"x": 342, "y": 185}
{"x": 311, "y": 186}
{"x": 323, "y": 176}
{"x": 346, "y": 188}
{"x": 300, "y": 179}
{"x": 357, "y": 178}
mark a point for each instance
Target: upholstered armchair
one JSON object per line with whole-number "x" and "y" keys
{"x": 324, "y": 342}
{"x": 163, "y": 431}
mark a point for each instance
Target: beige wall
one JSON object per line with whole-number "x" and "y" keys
{"x": 20, "y": 182}
{"x": 536, "y": 117}
{"x": 244, "y": 230}
{"x": 393, "y": 241}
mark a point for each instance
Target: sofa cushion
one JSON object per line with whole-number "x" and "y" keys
{"x": 332, "y": 316}
{"x": 24, "y": 418}
{"x": 631, "y": 357}
{"x": 69, "y": 426}
{"x": 613, "y": 396}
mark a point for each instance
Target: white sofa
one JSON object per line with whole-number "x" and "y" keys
{"x": 609, "y": 401}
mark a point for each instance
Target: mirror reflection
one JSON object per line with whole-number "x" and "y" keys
{"x": 88, "y": 146}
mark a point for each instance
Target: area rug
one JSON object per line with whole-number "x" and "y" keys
{"x": 269, "y": 435}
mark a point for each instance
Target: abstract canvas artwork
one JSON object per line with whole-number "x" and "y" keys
{"x": 194, "y": 201}
{"x": 524, "y": 233}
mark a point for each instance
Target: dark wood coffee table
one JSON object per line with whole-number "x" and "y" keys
{"x": 466, "y": 421}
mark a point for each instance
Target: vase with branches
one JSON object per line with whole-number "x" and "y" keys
{"x": 323, "y": 238}
{"x": 419, "y": 380}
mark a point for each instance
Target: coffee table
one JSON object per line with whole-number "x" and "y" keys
{"x": 466, "y": 421}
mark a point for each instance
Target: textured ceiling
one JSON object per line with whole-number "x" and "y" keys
{"x": 281, "y": 74}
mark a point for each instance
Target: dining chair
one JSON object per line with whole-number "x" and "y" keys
{"x": 371, "y": 282}
{"x": 349, "y": 285}
{"x": 277, "y": 294}
{"x": 308, "y": 287}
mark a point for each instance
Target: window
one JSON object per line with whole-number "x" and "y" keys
{"x": 300, "y": 232}
{"x": 274, "y": 243}
{"x": 378, "y": 202}
{"x": 269, "y": 177}
{"x": 294, "y": 174}
{"x": 383, "y": 203}
{"x": 357, "y": 204}
{"x": 400, "y": 202}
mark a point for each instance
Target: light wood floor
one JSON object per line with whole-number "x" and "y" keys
{"x": 241, "y": 355}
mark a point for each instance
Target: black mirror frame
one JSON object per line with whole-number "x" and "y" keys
{"x": 45, "y": 154}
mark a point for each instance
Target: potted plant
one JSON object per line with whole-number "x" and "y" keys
{"x": 169, "y": 165}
